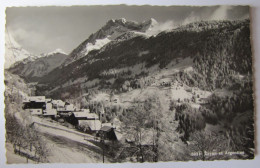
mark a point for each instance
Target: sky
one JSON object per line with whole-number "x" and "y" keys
{"x": 44, "y": 29}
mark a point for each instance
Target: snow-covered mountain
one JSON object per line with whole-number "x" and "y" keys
{"x": 57, "y": 51}
{"x": 137, "y": 55}
{"x": 33, "y": 69}
{"x": 14, "y": 52}
{"x": 114, "y": 29}
{"x": 198, "y": 76}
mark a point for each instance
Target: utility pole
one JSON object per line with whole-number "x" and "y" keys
{"x": 103, "y": 152}
{"x": 103, "y": 147}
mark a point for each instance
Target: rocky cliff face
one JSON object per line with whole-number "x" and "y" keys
{"x": 113, "y": 30}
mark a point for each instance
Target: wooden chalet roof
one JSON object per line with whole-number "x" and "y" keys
{"x": 106, "y": 128}
{"x": 36, "y": 99}
{"x": 94, "y": 125}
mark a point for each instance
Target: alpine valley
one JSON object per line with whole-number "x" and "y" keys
{"x": 188, "y": 89}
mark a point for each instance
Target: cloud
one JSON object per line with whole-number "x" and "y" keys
{"x": 43, "y": 29}
{"x": 221, "y": 13}
{"x": 193, "y": 17}
{"x": 30, "y": 39}
{"x": 159, "y": 27}
{"x": 215, "y": 13}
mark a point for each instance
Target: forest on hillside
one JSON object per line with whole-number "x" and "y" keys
{"x": 211, "y": 57}
{"x": 220, "y": 52}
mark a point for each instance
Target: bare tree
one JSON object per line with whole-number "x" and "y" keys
{"x": 41, "y": 150}
{"x": 135, "y": 123}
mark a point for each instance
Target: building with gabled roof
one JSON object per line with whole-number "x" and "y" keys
{"x": 80, "y": 115}
{"x": 107, "y": 133}
{"x": 48, "y": 110}
{"x": 85, "y": 115}
{"x": 58, "y": 103}
{"x": 93, "y": 125}
{"x": 35, "y": 104}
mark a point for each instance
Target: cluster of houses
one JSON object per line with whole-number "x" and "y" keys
{"x": 81, "y": 118}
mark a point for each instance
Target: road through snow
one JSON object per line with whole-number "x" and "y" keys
{"x": 67, "y": 145}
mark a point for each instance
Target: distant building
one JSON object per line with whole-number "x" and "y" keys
{"x": 84, "y": 115}
{"x": 83, "y": 119}
{"x": 35, "y": 105}
{"x": 49, "y": 110}
{"x": 37, "y": 111}
{"x": 107, "y": 133}
{"x": 92, "y": 116}
{"x": 58, "y": 104}
{"x": 70, "y": 107}
{"x": 89, "y": 125}
{"x": 39, "y": 105}
{"x": 88, "y": 122}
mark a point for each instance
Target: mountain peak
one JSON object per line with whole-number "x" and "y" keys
{"x": 58, "y": 50}
{"x": 151, "y": 21}
{"x": 149, "y": 24}
{"x": 14, "y": 52}
{"x": 120, "y": 22}
{"x": 123, "y": 20}
{"x": 112, "y": 30}
{"x": 138, "y": 26}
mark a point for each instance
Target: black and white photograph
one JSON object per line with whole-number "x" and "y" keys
{"x": 128, "y": 84}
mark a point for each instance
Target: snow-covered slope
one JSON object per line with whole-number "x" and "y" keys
{"x": 115, "y": 29}
{"x": 14, "y": 52}
{"x": 98, "y": 44}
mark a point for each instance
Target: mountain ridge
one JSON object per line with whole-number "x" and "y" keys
{"x": 38, "y": 67}
{"x": 109, "y": 32}
{"x": 163, "y": 50}
{"x": 196, "y": 79}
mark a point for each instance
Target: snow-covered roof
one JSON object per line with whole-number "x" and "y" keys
{"x": 58, "y": 102}
{"x": 85, "y": 110}
{"x": 79, "y": 114}
{"x": 106, "y": 128}
{"x": 119, "y": 135}
{"x": 85, "y": 114}
{"x": 48, "y": 100}
{"x": 94, "y": 125}
{"x": 69, "y": 106}
{"x": 107, "y": 124}
{"x": 37, "y": 98}
{"x": 92, "y": 115}
{"x": 116, "y": 123}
